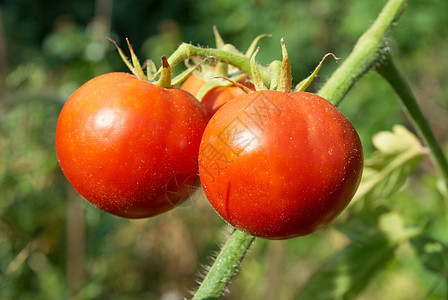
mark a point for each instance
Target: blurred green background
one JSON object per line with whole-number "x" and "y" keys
{"x": 53, "y": 245}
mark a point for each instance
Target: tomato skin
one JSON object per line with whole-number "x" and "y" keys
{"x": 128, "y": 146}
{"x": 216, "y": 97}
{"x": 192, "y": 84}
{"x": 219, "y": 96}
{"x": 279, "y": 165}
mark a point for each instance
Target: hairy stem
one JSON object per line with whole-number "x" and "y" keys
{"x": 365, "y": 54}
{"x": 389, "y": 71}
{"x": 225, "y": 266}
{"x": 186, "y": 51}
{"x": 367, "y": 51}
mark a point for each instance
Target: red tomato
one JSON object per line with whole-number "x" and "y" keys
{"x": 216, "y": 97}
{"x": 279, "y": 165}
{"x": 128, "y": 146}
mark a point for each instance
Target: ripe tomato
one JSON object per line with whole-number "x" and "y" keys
{"x": 128, "y": 146}
{"x": 279, "y": 165}
{"x": 192, "y": 84}
{"x": 216, "y": 97}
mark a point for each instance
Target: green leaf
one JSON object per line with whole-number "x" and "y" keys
{"x": 433, "y": 254}
{"x": 398, "y": 141}
{"x": 393, "y": 225}
{"x": 371, "y": 220}
{"x": 363, "y": 225}
{"x": 350, "y": 270}
{"x": 398, "y": 153}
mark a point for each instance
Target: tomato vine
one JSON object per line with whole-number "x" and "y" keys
{"x": 369, "y": 52}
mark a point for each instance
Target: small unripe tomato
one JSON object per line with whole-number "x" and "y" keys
{"x": 216, "y": 97}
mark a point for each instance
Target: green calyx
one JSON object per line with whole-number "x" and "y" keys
{"x": 221, "y": 71}
{"x": 230, "y": 68}
{"x": 162, "y": 77}
{"x": 165, "y": 75}
{"x": 280, "y": 71}
{"x": 307, "y": 81}
{"x": 281, "y": 79}
{"x": 285, "y": 81}
{"x": 135, "y": 66}
{"x": 256, "y": 75}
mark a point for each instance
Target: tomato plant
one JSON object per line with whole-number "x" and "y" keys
{"x": 279, "y": 165}
{"x": 128, "y": 146}
{"x": 216, "y": 97}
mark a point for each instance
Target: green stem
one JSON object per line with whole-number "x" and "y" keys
{"x": 389, "y": 71}
{"x": 225, "y": 266}
{"x": 364, "y": 55}
{"x": 186, "y": 51}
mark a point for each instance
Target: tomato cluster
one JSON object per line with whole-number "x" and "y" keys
{"x": 274, "y": 164}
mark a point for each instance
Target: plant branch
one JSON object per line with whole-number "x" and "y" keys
{"x": 367, "y": 51}
{"x": 225, "y": 266}
{"x": 242, "y": 62}
{"x": 365, "y": 54}
{"x": 390, "y": 73}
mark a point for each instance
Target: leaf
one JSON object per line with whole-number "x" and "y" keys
{"x": 398, "y": 153}
{"x": 371, "y": 220}
{"x": 433, "y": 254}
{"x": 350, "y": 270}
{"x": 400, "y": 140}
{"x": 363, "y": 225}
{"x": 393, "y": 226}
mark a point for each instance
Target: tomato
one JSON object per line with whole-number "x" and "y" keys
{"x": 216, "y": 97}
{"x": 279, "y": 165}
{"x": 128, "y": 146}
{"x": 192, "y": 84}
